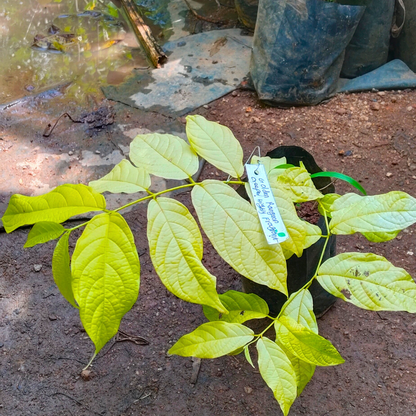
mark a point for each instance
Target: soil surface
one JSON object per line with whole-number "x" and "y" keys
{"x": 43, "y": 347}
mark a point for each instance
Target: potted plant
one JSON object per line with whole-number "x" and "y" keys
{"x": 102, "y": 276}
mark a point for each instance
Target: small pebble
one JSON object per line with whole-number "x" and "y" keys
{"x": 234, "y": 93}
{"x": 205, "y": 106}
{"x": 214, "y": 62}
{"x": 86, "y": 375}
{"x": 341, "y": 111}
{"x": 52, "y": 317}
{"x": 410, "y": 108}
{"x": 37, "y": 267}
{"x": 248, "y": 390}
{"x": 70, "y": 153}
{"x": 98, "y": 152}
{"x": 375, "y": 106}
{"x": 381, "y": 93}
{"x": 389, "y": 174}
{"x": 410, "y": 253}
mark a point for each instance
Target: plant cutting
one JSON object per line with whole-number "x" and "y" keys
{"x": 101, "y": 277}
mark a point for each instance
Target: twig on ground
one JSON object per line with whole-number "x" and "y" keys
{"x": 49, "y": 129}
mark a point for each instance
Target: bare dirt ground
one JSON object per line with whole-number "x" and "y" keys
{"x": 43, "y": 348}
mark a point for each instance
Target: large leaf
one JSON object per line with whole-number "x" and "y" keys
{"x": 164, "y": 155}
{"x": 294, "y": 225}
{"x": 105, "y": 275}
{"x": 305, "y": 344}
{"x": 216, "y": 144}
{"x": 241, "y": 307}
{"x": 381, "y": 237}
{"x": 299, "y": 307}
{"x": 368, "y": 281}
{"x": 124, "y": 177}
{"x": 233, "y": 227}
{"x": 61, "y": 270}
{"x": 42, "y": 232}
{"x": 212, "y": 340}
{"x": 298, "y": 184}
{"x": 58, "y": 205}
{"x": 176, "y": 251}
{"x": 278, "y": 373}
{"x": 384, "y": 213}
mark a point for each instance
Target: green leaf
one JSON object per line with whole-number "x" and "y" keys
{"x": 241, "y": 307}
{"x": 300, "y": 308}
{"x": 325, "y": 204}
{"x": 269, "y": 163}
{"x": 248, "y": 356}
{"x": 164, "y": 155}
{"x": 105, "y": 275}
{"x": 233, "y": 227}
{"x": 313, "y": 234}
{"x": 176, "y": 251}
{"x": 61, "y": 270}
{"x": 58, "y": 205}
{"x": 298, "y": 184}
{"x": 124, "y": 177}
{"x": 294, "y": 225}
{"x": 216, "y": 144}
{"x": 341, "y": 176}
{"x": 368, "y": 281}
{"x": 381, "y": 237}
{"x": 384, "y": 213}
{"x": 212, "y": 340}
{"x": 277, "y": 371}
{"x": 42, "y": 232}
{"x": 305, "y": 344}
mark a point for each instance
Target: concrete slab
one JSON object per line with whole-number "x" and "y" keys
{"x": 200, "y": 69}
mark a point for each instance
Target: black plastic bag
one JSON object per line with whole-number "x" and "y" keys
{"x": 299, "y": 269}
{"x": 369, "y": 47}
{"x": 298, "y": 49}
{"x": 406, "y": 43}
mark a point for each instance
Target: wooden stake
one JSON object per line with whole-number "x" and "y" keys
{"x": 143, "y": 33}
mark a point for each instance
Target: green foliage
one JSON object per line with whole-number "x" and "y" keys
{"x": 102, "y": 276}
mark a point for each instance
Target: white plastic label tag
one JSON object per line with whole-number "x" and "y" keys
{"x": 271, "y": 221}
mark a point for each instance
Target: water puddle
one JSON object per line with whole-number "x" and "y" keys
{"x": 77, "y": 46}
{"x": 46, "y": 43}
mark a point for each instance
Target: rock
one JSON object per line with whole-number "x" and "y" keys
{"x": 206, "y": 106}
{"x": 248, "y": 110}
{"x": 70, "y": 153}
{"x": 375, "y": 106}
{"x": 248, "y": 390}
{"x": 389, "y": 174}
{"x": 234, "y": 93}
{"x": 52, "y": 317}
{"x": 97, "y": 152}
{"x": 255, "y": 120}
{"x": 410, "y": 108}
{"x": 393, "y": 100}
{"x": 341, "y": 111}
{"x": 381, "y": 93}
{"x": 37, "y": 267}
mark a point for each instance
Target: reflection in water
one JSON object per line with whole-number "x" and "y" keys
{"x": 94, "y": 47}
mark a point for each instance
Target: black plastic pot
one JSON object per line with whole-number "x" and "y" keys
{"x": 300, "y": 269}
